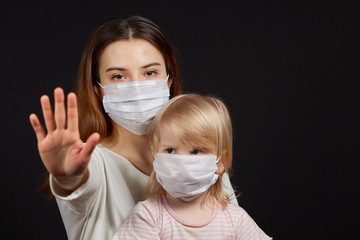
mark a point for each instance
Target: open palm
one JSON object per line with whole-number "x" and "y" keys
{"x": 63, "y": 153}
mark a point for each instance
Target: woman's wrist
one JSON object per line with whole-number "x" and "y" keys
{"x": 64, "y": 186}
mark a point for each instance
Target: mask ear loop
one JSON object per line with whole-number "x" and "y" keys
{"x": 100, "y": 84}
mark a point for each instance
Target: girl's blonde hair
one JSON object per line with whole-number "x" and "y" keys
{"x": 198, "y": 122}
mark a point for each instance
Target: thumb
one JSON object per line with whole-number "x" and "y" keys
{"x": 89, "y": 147}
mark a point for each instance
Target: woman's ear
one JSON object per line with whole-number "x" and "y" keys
{"x": 98, "y": 91}
{"x": 169, "y": 81}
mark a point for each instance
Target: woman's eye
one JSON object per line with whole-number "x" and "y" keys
{"x": 118, "y": 77}
{"x": 150, "y": 73}
{"x": 170, "y": 151}
{"x": 196, "y": 151}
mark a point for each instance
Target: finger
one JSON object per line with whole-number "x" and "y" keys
{"x": 89, "y": 146}
{"x": 39, "y": 130}
{"x": 60, "y": 115}
{"x": 47, "y": 113}
{"x": 72, "y": 113}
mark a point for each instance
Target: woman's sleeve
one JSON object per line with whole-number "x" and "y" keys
{"x": 75, "y": 207}
{"x": 228, "y": 188}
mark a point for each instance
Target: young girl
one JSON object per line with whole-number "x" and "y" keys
{"x": 191, "y": 140}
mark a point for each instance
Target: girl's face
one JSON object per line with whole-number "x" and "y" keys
{"x": 169, "y": 143}
{"x": 131, "y": 60}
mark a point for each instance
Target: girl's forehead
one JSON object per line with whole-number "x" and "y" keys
{"x": 174, "y": 134}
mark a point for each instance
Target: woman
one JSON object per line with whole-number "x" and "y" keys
{"x": 96, "y": 186}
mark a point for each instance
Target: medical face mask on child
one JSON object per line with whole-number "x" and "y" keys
{"x": 185, "y": 176}
{"x": 133, "y": 105}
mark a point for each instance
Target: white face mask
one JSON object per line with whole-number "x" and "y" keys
{"x": 185, "y": 176}
{"x": 133, "y": 105}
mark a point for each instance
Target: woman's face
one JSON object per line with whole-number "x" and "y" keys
{"x": 131, "y": 60}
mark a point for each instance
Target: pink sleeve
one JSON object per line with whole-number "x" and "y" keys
{"x": 141, "y": 224}
{"x": 246, "y": 228}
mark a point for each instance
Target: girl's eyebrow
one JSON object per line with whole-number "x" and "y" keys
{"x": 166, "y": 146}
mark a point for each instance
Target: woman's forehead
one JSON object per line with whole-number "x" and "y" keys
{"x": 131, "y": 53}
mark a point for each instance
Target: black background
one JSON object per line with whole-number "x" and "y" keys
{"x": 288, "y": 72}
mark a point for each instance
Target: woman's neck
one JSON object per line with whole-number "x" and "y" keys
{"x": 131, "y": 146}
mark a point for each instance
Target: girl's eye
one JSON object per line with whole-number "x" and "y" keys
{"x": 196, "y": 151}
{"x": 170, "y": 151}
{"x": 150, "y": 73}
{"x": 118, "y": 77}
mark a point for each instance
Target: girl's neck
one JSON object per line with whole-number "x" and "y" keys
{"x": 196, "y": 212}
{"x": 131, "y": 146}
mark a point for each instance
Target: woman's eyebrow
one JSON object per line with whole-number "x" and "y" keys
{"x": 151, "y": 64}
{"x": 124, "y": 69}
{"x": 115, "y": 68}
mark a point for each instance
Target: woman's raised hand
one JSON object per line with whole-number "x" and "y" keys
{"x": 63, "y": 153}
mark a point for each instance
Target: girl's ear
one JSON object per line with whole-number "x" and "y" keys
{"x": 153, "y": 151}
{"x": 220, "y": 165}
{"x": 220, "y": 169}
